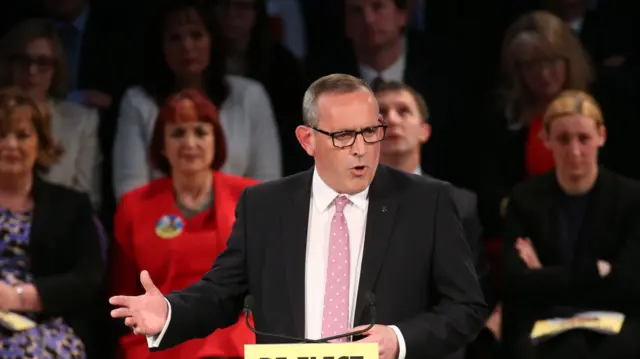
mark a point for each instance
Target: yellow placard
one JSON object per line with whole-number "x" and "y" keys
{"x": 16, "y": 322}
{"x": 312, "y": 351}
{"x": 603, "y": 324}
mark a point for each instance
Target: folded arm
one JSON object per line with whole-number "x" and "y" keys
{"x": 558, "y": 284}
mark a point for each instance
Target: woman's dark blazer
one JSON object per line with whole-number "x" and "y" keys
{"x": 610, "y": 232}
{"x": 66, "y": 257}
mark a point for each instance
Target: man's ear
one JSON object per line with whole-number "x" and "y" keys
{"x": 305, "y": 137}
{"x": 425, "y": 133}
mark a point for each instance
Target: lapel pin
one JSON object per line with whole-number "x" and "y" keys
{"x": 384, "y": 209}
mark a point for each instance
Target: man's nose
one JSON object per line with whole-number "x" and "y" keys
{"x": 392, "y": 118}
{"x": 358, "y": 147}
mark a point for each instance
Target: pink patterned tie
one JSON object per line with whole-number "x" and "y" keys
{"x": 335, "y": 317}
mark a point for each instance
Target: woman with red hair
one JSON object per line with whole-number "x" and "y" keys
{"x": 174, "y": 227}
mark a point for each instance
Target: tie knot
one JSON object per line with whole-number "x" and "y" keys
{"x": 340, "y": 202}
{"x": 376, "y": 83}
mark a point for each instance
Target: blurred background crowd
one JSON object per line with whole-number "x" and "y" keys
{"x": 99, "y": 98}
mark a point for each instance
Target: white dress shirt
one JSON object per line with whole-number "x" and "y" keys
{"x": 395, "y": 72}
{"x": 321, "y": 213}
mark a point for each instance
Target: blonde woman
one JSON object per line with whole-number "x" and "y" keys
{"x": 540, "y": 58}
{"x": 572, "y": 242}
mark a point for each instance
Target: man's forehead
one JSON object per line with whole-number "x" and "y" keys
{"x": 349, "y": 110}
{"x": 396, "y": 98}
{"x": 338, "y": 102}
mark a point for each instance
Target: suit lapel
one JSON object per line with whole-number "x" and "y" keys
{"x": 380, "y": 218}
{"x": 295, "y": 223}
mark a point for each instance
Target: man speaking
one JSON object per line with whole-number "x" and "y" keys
{"x": 310, "y": 247}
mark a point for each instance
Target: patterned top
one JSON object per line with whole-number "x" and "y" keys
{"x": 52, "y": 338}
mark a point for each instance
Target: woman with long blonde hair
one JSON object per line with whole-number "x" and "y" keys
{"x": 540, "y": 58}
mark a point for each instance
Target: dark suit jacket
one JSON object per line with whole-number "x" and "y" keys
{"x": 66, "y": 259}
{"x": 466, "y": 203}
{"x": 610, "y": 231}
{"x": 406, "y": 260}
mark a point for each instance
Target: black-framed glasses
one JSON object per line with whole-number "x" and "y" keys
{"x": 343, "y": 139}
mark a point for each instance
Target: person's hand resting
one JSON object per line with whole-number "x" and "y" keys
{"x": 528, "y": 253}
{"x": 386, "y": 338}
{"x": 145, "y": 314}
{"x": 604, "y": 268}
{"x": 494, "y": 323}
{"x": 9, "y": 297}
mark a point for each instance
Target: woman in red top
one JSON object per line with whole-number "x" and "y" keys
{"x": 176, "y": 226}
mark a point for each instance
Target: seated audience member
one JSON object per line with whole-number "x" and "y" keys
{"x": 406, "y": 114}
{"x": 31, "y": 57}
{"x": 572, "y": 242}
{"x": 187, "y": 53}
{"x": 380, "y": 47}
{"x": 540, "y": 58}
{"x": 174, "y": 227}
{"x": 251, "y": 52}
{"x": 51, "y": 266}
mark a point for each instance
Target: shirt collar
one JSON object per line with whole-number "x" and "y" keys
{"x": 418, "y": 171}
{"x": 80, "y": 22}
{"x": 323, "y": 195}
{"x": 395, "y": 72}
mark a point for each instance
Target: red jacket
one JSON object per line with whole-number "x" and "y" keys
{"x": 152, "y": 234}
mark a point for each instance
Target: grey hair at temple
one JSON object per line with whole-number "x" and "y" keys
{"x": 330, "y": 84}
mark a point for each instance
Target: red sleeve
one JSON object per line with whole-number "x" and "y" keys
{"x": 124, "y": 275}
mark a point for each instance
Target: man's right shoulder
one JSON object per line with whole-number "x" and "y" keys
{"x": 276, "y": 190}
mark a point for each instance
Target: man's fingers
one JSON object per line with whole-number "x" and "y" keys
{"x": 147, "y": 283}
{"x": 360, "y": 327}
{"x": 368, "y": 339}
{"x": 120, "y": 300}
{"x": 130, "y": 322}
{"x": 121, "y": 312}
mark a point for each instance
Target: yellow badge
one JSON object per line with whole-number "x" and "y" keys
{"x": 169, "y": 226}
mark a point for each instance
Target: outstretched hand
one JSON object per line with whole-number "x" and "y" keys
{"x": 146, "y": 314}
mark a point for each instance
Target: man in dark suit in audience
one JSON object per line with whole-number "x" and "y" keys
{"x": 381, "y": 46}
{"x": 406, "y": 114}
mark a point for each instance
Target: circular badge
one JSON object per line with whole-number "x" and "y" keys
{"x": 169, "y": 226}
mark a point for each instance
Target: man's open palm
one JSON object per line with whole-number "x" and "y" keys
{"x": 145, "y": 314}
